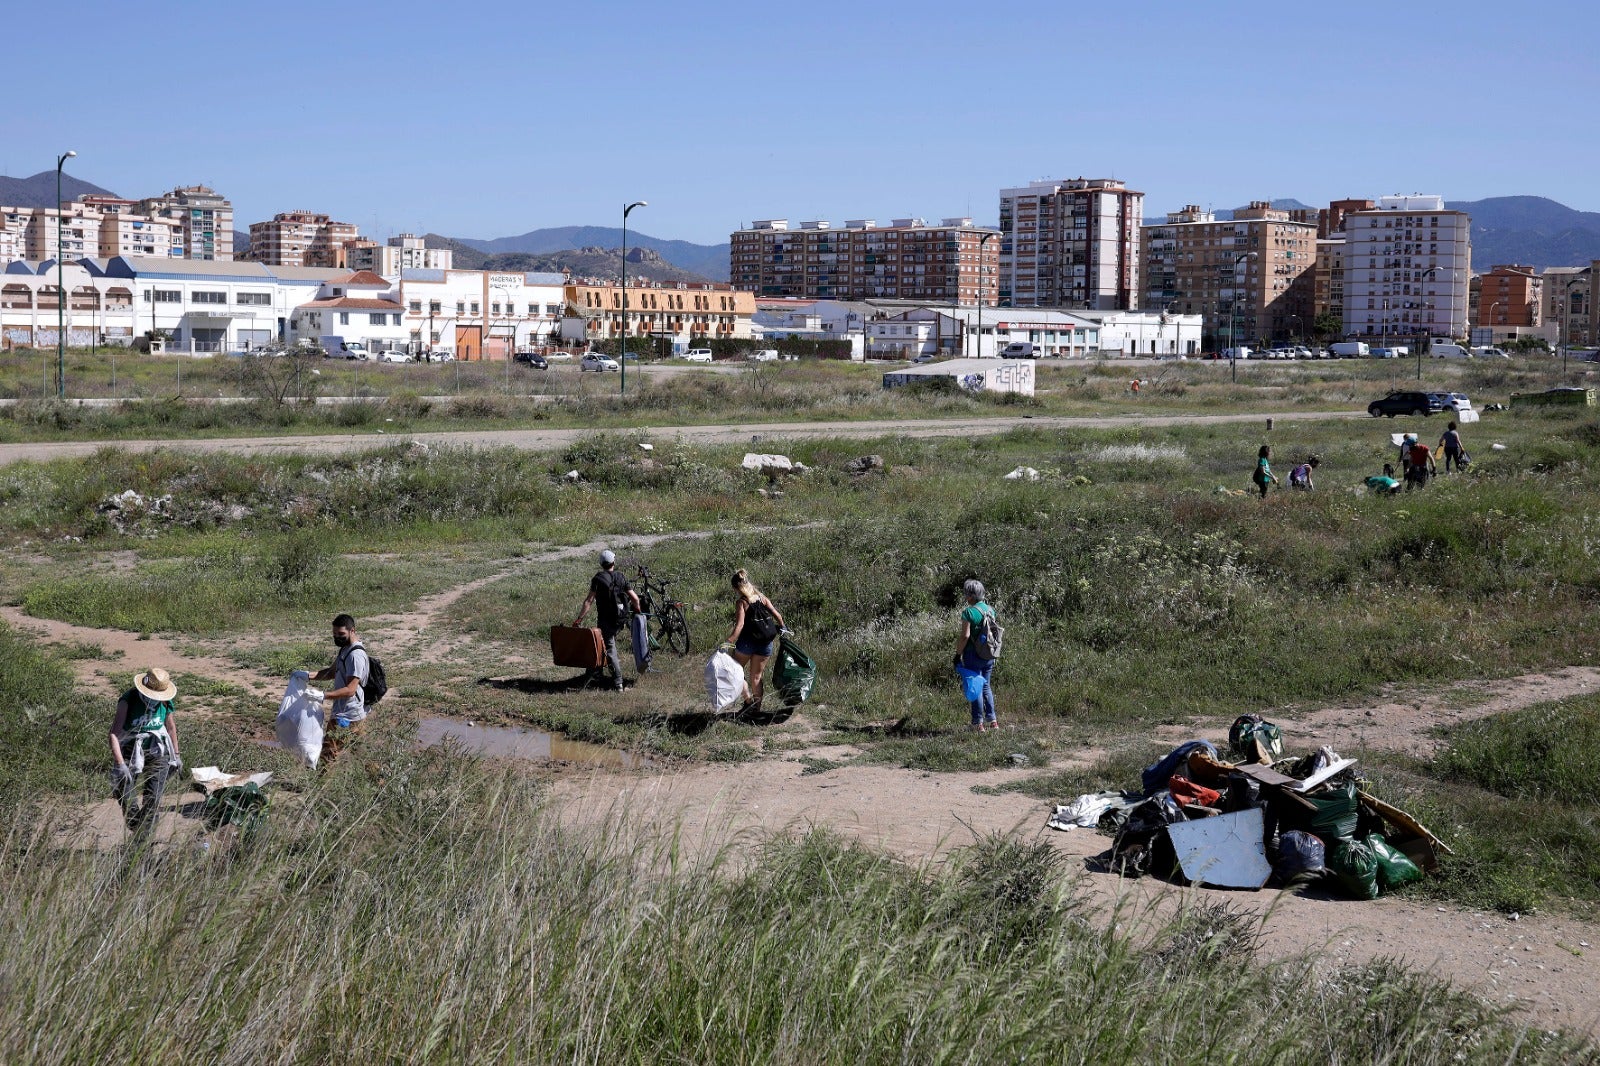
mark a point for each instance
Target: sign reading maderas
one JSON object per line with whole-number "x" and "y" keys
{"x": 505, "y": 281}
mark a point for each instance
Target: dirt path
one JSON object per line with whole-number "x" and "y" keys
{"x": 552, "y": 439}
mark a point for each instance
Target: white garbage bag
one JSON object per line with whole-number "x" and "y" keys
{"x": 724, "y": 681}
{"x": 300, "y": 719}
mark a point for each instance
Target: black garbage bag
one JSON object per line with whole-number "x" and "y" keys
{"x": 1142, "y": 845}
{"x": 1300, "y": 855}
{"x": 1242, "y": 794}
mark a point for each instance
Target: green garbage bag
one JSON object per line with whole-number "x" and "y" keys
{"x": 1332, "y": 816}
{"x": 796, "y": 673}
{"x": 1355, "y": 865}
{"x": 1395, "y": 868}
{"x": 241, "y": 805}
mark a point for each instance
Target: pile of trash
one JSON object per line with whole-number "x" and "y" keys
{"x": 1199, "y": 819}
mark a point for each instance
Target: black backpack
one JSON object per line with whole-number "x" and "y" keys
{"x": 377, "y": 684}
{"x": 759, "y": 622}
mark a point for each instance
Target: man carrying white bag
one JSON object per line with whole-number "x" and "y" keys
{"x": 301, "y": 722}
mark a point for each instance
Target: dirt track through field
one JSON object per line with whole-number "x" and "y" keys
{"x": 1542, "y": 963}
{"x": 553, "y": 439}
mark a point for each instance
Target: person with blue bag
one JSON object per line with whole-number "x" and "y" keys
{"x": 977, "y": 650}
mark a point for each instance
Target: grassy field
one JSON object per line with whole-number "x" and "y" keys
{"x": 412, "y": 398}
{"x": 1140, "y": 584}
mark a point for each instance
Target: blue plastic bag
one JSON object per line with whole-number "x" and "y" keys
{"x": 972, "y": 684}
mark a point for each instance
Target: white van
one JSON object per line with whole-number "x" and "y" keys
{"x": 698, "y": 355}
{"x": 1445, "y": 348}
{"x": 1350, "y": 349}
{"x": 1240, "y": 352}
{"x": 1489, "y": 351}
{"x": 764, "y": 355}
{"x": 1019, "y": 350}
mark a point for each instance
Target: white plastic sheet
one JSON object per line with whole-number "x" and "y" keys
{"x": 1225, "y": 851}
{"x": 301, "y": 721}
{"x": 724, "y": 681}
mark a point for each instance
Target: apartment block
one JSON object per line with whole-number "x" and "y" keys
{"x": 204, "y": 218}
{"x": 684, "y": 313}
{"x": 1508, "y": 296}
{"x": 405, "y": 252}
{"x": 1249, "y": 277}
{"x": 300, "y": 238}
{"x": 1569, "y": 298}
{"x": 124, "y": 231}
{"x": 1408, "y": 262}
{"x": 909, "y": 259}
{"x": 1072, "y": 244}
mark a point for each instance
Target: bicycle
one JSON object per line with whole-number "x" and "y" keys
{"x": 671, "y": 627}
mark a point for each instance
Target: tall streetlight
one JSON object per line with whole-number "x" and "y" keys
{"x": 1423, "y": 338}
{"x": 1233, "y": 307}
{"x": 61, "y": 287}
{"x": 623, "y": 362}
{"x": 981, "y": 242}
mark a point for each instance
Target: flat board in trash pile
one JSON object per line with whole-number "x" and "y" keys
{"x": 1225, "y": 851}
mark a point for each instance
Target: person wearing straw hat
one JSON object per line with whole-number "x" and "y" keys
{"x": 144, "y": 741}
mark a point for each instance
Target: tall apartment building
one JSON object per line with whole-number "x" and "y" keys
{"x": 1569, "y": 300}
{"x": 1408, "y": 262}
{"x": 1249, "y": 278}
{"x": 30, "y": 233}
{"x": 1070, "y": 244}
{"x": 204, "y": 217}
{"x": 1508, "y": 296}
{"x": 405, "y": 252}
{"x": 300, "y": 238}
{"x": 909, "y": 259}
{"x": 123, "y": 230}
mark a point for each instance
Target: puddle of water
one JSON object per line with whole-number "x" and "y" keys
{"x": 502, "y": 743}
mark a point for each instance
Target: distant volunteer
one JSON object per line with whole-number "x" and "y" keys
{"x": 144, "y": 743}
{"x": 975, "y": 656}
{"x": 1300, "y": 476}
{"x": 612, "y": 597}
{"x": 1422, "y": 466}
{"x": 349, "y": 673}
{"x": 756, "y": 625}
{"x": 1455, "y": 453}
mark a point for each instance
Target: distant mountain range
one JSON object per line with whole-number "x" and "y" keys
{"x": 586, "y": 262}
{"x": 40, "y": 190}
{"x": 705, "y": 260}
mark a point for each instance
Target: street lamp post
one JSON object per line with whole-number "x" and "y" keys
{"x": 981, "y": 242}
{"x": 1422, "y": 339}
{"x": 623, "y": 362}
{"x": 1233, "y": 307}
{"x": 61, "y": 287}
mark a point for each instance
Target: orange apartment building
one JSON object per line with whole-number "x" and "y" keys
{"x": 1508, "y": 296}
{"x": 953, "y": 262}
{"x": 684, "y": 313}
{"x": 301, "y": 238}
{"x": 1192, "y": 265}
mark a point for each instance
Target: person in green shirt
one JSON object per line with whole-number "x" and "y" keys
{"x": 1263, "y": 475}
{"x": 970, "y": 663}
{"x": 144, "y": 741}
{"x": 1384, "y": 484}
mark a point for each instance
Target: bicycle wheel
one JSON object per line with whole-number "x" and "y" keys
{"x": 675, "y": 629}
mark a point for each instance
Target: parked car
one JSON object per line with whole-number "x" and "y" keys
{"x": 533, "y": 359}
{"x": 598, "y": 363}
{"x": 1405, "y": 403}
{"x": 764, "y": 355}
{"x": 925, "y": 357}
{"x": 1386, "y": 353}
{"x": 559, "y": 357}
{"x": 698, "y": 355}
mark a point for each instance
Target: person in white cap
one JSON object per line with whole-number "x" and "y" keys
{"x": 144, "y": 741}
{"x": 611, "y": 596}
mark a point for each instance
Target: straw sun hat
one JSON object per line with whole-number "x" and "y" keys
{"x": 155, "y": 683}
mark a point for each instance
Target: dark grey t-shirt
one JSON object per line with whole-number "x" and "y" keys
{"x": 351, "y": 662}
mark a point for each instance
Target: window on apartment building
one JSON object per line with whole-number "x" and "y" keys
{"x": 555, "y": 309}
{"x": 163, "y": 296}
{"x": 461, "y": 307}
{"x": 344, "y": 318}
{"x": 415, "y": 307}
{"x": 494, "y": 308}
{"x": 433, "y": 307}
{"x": 253, "y": 299}
{"x": 474, "y": 307}
{"x": 208, "y": 297}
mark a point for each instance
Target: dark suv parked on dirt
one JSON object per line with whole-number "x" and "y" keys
{"x": 1405, "y": 403}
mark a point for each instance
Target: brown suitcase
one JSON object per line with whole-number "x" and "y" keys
{"x": 578, "y": 646}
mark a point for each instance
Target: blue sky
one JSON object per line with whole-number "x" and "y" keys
{"x": 490, "y": 120}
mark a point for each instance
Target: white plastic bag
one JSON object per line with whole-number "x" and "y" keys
{"x": 724, "y": 681}
{"x": 300, "y": 719}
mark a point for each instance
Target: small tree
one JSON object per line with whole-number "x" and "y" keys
{"x": 282, "y": 379}
{"x": 1327, "y": 324}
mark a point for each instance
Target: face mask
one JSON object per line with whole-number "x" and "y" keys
{"x": 341, "y": 641}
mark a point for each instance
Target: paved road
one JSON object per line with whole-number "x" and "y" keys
{"x": 552, "y": 439}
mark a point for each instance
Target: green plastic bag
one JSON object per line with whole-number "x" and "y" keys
{"x": 796, "y": 673}
{"x": 1333, "y": 817}
{"x": 1355, "y": 865}
{"x": 1395, "y": 868}
{"x": 241, "y": 805}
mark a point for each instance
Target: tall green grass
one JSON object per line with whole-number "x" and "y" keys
{"x": 435, "y": 912}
